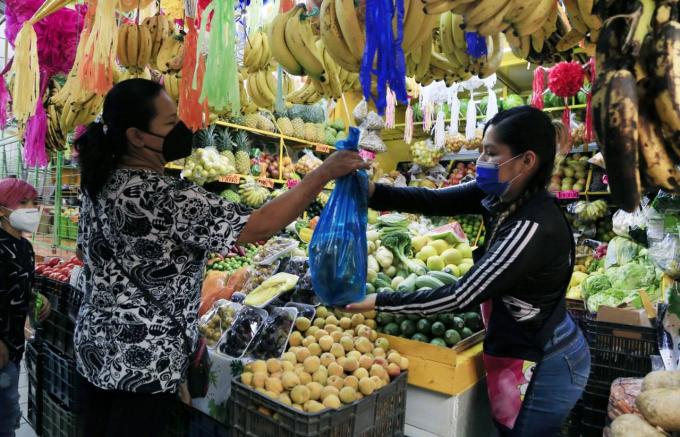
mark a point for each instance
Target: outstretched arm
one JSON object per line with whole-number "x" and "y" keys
{"x": 461, "y": 199}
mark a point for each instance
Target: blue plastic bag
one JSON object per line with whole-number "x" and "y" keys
{"x": 338, "y": 253}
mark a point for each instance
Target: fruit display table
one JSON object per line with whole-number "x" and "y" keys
{"x": 464, "y": 413}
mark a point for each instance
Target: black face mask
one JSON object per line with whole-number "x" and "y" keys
{"x": 176, "y": 144}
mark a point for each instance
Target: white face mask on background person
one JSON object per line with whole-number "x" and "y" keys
{"x": 24, "y": 219}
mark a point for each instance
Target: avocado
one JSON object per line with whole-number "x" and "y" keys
{"x": 391, "y": 329}
{"x": 465, "y": 332}
{"x": 424, "y": 326}
{"x": 457, "y": 323}
{"x": 473, "y": 321}
{"x": 452, "y": 337}
{"x": 398, "y": 318}
{"x": 438, "y": 329}
{"x": 432, "y": 318}
{"x": 420, "y": 337}
{"x": 384, "y": 318}
{"x": 413, "y": 317}
{"x": 438, "y": 342}
{"x": 408, "y": 328}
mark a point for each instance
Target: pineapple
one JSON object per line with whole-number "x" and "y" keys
{"x": 207, "y": 137}
{"x": 242, "y": 156}
{"x": 225, "y": 146}
{"x": 310, "y": 132}
{"x": 320, "y": 133}
{"x": 250, "y": 120}
{"x": 298, "y": 128}
{"x": 286, "y": 126}
{"x": 263, "y": 123}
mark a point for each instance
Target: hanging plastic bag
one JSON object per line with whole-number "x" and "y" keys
{"x": 307, "y": 163}
{"x": 338, "y": 250}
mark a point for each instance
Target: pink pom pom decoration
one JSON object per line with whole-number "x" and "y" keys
{"x": 566, "y": 79}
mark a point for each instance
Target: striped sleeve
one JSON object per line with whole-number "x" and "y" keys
{"x": 510, "y": 259}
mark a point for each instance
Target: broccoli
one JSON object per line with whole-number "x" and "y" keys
{"x": 399, "y": 242}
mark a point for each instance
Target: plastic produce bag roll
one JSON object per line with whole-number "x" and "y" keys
{"x": 338, "y": 250}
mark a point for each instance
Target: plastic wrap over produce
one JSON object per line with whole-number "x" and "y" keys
{"x": 338, "y": 251}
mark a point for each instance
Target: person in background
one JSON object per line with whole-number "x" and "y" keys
{"x": 143, "y": 234}
{"x": 18, "y": 215}
{"x": 536, "y": 358}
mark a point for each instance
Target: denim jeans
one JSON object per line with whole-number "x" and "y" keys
{"x": 10, "y": 412}
{"x": 557, "y": 384}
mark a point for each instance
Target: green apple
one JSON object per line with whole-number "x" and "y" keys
{"x": 373, "y": 216}
{"x": 417, "y": 243}
{"x": 435, "y": 263}
{"x": 452, "y": 256}
{"x": 464, "y": 250}
{"x": 452, "y": 270}
{"x": 440, "y": 246}
{"x": 469, "y": 261}
{"x": 464, "y": 268}
{"x": 426, "y": 252}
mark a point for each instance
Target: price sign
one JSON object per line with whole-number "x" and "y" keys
{"x": 567, "y": 195}
{"x": 323, "y": 148}
{"x": 367, "y": 154}
{"x": 266, "y": 182}
{"x": 230, "y": 179}
{"x": 292, "y": 183}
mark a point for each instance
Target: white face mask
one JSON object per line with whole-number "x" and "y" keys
{"x": 25, "y": 219}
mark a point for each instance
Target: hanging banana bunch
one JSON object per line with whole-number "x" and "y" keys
{"x": 160, "y": 28}
{"x": 134, "y": 46}
{"x": 256, "y": 53}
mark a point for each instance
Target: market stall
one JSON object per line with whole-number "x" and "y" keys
{"x": 270, "y": 90}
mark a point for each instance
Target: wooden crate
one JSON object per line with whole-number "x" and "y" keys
{"x": 443, "y": 370}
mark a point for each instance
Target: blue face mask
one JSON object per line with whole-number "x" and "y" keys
{"x": 487, "y": 178}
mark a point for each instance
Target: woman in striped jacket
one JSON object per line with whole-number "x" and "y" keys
{"x": 536, "y": 358}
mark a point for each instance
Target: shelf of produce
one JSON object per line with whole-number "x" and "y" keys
{"x": 290, "y": 141}
{"x": 443, "y": 370}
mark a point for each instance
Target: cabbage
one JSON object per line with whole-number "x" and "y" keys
{"x": 621, "y": 251}
{"x": 611, "y": 297}
{"x": 595, "y": 284}
{"x": 630, "y": 276}
{"x": 512, "y": 101}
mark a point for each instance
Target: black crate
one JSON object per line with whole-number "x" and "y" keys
{"x": 190, "y": 422}
{"x": 71, "y": 302}
{"x": 595, "y": 404}
{"x": 61, "y": 379}
{"x": 571, "y": 427}
{"x": 57, "y": 421}
{"x": 33, "y": 358}
{"x": 378, "y": 415}
{"x": 578, "y": 311}
{"x": 34, "y": 413}
{"x": 57, "y": 331}
{"x": 619, "y": 351}
{"x": 53, "y": 290}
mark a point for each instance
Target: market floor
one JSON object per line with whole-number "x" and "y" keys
{"x": 25, "y": 429}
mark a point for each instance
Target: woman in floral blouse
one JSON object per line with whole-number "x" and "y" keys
{"x": 159, "y": 229}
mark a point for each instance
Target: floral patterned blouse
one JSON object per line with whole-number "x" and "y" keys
{"x": 160, "y": 229}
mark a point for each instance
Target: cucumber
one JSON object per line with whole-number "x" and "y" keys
{"x": 385, "y": 290}
{"x": 428, "y": 281}
{"x": 379, "y": 283}
{"x": 446, "y": 278}
{"x": 370, "y": 289}
{"x": 382, "y": 276}
{"x": 409, "y": 284}
{"x": 396, "y": 281}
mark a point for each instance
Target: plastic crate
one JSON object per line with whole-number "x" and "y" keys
{"x": 595, "y": 403}
{"x": 33, "y": 358}
{"x": 578, "y": 311}
{"x": 58, "y": 421}
{"x": 57, "y": 331}
{"x": 53, "y": 291}
{"x": 571, "y": 427}
{"x": 619, "y": 351}
{"x": 61, "y": 379}
{"x": 190, "y": 422}
{"x": 71, "y": 301}
{"x": 378, "y": 415}
{"x": 34, "y": 416}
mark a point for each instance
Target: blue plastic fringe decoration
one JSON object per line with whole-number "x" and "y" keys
{"x": 476, "y": 44}
{"x": 384, "y": 51}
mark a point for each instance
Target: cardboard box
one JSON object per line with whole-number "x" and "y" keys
{"x": 623, "y": 316}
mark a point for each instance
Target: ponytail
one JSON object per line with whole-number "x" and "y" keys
{"x": 101, "y": 148}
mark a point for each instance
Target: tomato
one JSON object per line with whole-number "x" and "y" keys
{"x": 40, "y": 269}
{"x": 74, "y": 260}
{"x": 53, "y": 262}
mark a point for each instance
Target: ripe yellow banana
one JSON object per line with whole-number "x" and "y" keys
{"x": 277, "y": 41}
{"x": 591, "y": 20}
{"x": 296, "y": 36}
{"x": 574, "y": 15}
{"x": 658, "y": 165}
{"x": 159, "y": 28}
{"x": 496, "y": 24}
{"x": 458, "y": 33}
{"x": 425, "y": 56}
{"x": 495, "y": 56}
{"x": 446, "y": 32}
{"x": 537, "y": 40}
{"x": 482, "y": 11}
{"x": 570, "y": 40}
{"x": 535, "y": 19}
{"x": 331, "y": 35}
{"x": 352, "y": 32}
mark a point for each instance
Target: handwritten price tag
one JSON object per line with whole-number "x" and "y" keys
{"x": 266, "y": 182}
{"x": 322, "y": 148}
{"x": 230, "y": 179}
{"x": 367, "y": 154}
{"x": 567, "y": 195}
{"x": 292, "y": 183}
